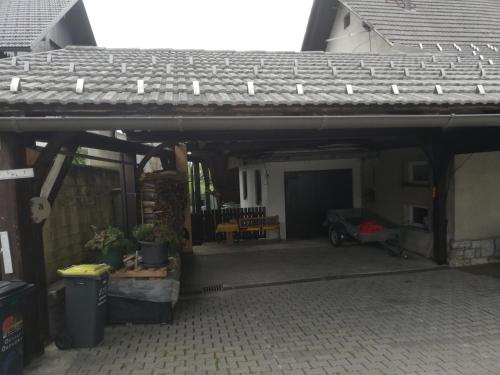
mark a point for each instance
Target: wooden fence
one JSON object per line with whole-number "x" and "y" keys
{"x": 209, "y": 221}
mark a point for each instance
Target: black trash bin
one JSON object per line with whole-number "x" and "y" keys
{"x": 11, "y": 319}
{"x": 86, "y": 305}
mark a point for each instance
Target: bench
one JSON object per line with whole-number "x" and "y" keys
{"x": 249, "y": 225}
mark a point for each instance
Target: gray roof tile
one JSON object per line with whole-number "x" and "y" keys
{"x": 432, "y": 21}
{"x": 105, "y": 83}
{"x": 23, "y": 21}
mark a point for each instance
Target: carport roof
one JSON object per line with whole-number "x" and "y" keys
{"x": 92, "y": 76}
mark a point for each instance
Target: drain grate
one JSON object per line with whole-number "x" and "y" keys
{"x": 213, "y": 288}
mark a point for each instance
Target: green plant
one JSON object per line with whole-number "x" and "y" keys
{"x": 144, "y": 233}
{"x": 168, "y": 236}
{"x": 109, "y": 239}
{"x": 157, "y": 233}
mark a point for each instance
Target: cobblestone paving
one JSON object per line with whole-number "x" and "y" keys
{"x": 438, "y": 322}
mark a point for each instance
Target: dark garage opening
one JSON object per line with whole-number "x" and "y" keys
{"x": 309, "y": 195}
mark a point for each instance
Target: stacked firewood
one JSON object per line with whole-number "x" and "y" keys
{"x": 164, "y": 198}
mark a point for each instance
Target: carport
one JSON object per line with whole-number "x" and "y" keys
{"x": 222, "y": 105}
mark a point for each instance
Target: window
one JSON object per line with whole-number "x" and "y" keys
{"x": 258, "y": 187}
{"x": 347, "y": 20}
{"x": 419, "y": 217}
{"x": 244, "y": 183}
{"x": 419, "y": 173}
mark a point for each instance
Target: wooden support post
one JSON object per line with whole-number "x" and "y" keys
{"x": 191, "y": 181}
{"x": 208, "y": 197}
{"x": 197, "y": 186}
{"x": 181, "y": 163}
{"x": 25, "y": 240}
{"x": 58, "y": 178}
{"x": 442, "y": 158}
{"x": 128, "y": 182}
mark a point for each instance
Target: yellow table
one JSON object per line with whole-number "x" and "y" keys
{"x": 229, "y": 229}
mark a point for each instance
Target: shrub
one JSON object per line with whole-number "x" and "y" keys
{"x": 109, "y": 239}
{"x": 144, "y": 233}
{"x": 158, "y": 233}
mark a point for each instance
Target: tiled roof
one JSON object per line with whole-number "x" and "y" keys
{"x": 99, "y": 76}
{"x": 432, "y": 21}
{"x": 23, "y": 21}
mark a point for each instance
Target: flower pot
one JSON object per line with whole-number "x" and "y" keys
{"x": 113, "y": 258}
{"x": 154, "y": 253}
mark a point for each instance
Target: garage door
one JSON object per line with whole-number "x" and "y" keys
{"x": 309, "y": 195}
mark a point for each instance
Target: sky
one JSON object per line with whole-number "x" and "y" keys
{"x": 272, "y": 25}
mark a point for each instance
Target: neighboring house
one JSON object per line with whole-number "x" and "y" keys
{"x": 351, "y": 26}
{"x": 43, "y": 25}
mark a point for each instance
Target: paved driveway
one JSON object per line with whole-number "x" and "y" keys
{"x": 434, "y": 322}
{"x": 264, "y": 262}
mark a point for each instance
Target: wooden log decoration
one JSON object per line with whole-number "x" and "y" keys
{"x": 164, "y": 198}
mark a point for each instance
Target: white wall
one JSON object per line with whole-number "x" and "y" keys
{"x": 273, "y": 183}
{"x": 359, "y": 41}
{"x": 387, "y": 176}
{"x": 477, "y": 196}
{"x": 251, "y": 200}
{"x": 59, "y": 34}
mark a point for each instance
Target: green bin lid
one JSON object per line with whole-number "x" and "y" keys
{"x": 85, "y": 270}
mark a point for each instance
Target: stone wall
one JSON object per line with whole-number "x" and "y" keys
{"x": 473, "y": 252}
{"x": 474, "y": 229}
{"x": 85, "y": 199}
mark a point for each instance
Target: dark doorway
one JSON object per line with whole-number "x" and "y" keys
{"x": 309, "y": 195}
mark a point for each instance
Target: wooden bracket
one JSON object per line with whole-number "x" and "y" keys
{"x": 157, "y": 151}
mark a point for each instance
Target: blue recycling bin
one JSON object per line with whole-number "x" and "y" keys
{"x": 11, "y": 323}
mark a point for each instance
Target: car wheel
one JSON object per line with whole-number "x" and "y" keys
{"x": 64, "y": 341}
{"x": 336, "y": 238}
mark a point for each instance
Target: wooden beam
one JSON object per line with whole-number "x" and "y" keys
{"x": 197, "y": 186}
{"x": 46, "y": 158}
{"x": 273, "y": 135}
{"x": 64, "y": 169}
{"x": 156, "y": 151}
{"x": 128, "y": 183}
{"x": 191, "y": 181}
{"x": 10, "y": 158}
{"x": 441, "y": 162}
{"x": 181, "y": 161}
{"x": 206, "y": 178}
{"x": 467, "y": 141}
{"x": 26, "y": 243}
{"x": 99, "y": 142}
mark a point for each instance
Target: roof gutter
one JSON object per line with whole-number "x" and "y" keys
{"x": 246, "y": 123}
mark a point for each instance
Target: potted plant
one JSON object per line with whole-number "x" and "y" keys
{"x": 156, "y": 241}
{"x": 109, "y": 246}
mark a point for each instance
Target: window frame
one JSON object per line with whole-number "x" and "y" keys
{"x": 244, "y": 183}
{"x": 411, "y": 173}
{"x": 411, "y": 216}
{"x": 258, "y": 187}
